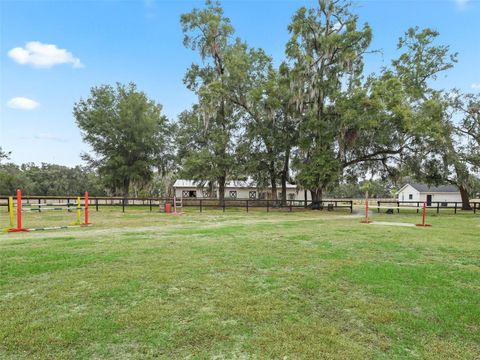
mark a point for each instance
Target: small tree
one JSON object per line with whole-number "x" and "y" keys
{"x": 127, "y": 132}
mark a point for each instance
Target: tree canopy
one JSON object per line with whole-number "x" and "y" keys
{"x": 127, "y": 133}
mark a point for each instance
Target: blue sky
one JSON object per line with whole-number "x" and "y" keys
{"x": 102, "y": 42}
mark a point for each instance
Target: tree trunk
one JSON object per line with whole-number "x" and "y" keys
{"x": 317, "y": 198}
{"x": 221, "y": 190}
{"x": 465, "y": 198}
{"x": 273, "y": 180}
{"x": 273, "y": 184}
{"x": 125, "y": 188}
{"x": 284, "y": 189}
{"x": 284, "y": 177}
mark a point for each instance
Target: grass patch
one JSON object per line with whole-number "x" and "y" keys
{"x": 241, "y": 285}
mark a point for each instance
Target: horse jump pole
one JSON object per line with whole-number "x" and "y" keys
{"x": 19, "y": 227}
{"x": 86, "y": 209}
{"x": 366, "y": 221}
{"x": 424, "y": 214}
{"x": 11, "y": 212}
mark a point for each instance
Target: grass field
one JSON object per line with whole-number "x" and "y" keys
{"x": 313, "y": 285}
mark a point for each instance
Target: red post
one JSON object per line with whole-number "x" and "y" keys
{"x": 86, "y": 208}
{"x": 424, "y": 215}
{"x": 19, "y": 209}
{"x": 19, "y": 214}
{"x": 366, "y": 211}
{"x": 366, "y": 221}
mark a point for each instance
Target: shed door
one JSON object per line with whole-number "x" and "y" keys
{"x": 429, "y": 200}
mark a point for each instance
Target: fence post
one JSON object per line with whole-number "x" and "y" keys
{"x": 96, "y": 204}
{"x": 267, "y": 206}
{"x": 290, "y": 205}
{"x": 123, "y": 205}
{"x": 150, "y": 200}
{"x": 200, "y": 205}
{"x": 418, "y": 205}
{"x": 351, "y": 206}
{"x": 455, "y": 207}
{"x": 378, "y": 206}
{"x": 223, "y": 204}
{"x": 398, "y": 207}
{"x": 438, "y": 208}
{"x": 247, "y": 205}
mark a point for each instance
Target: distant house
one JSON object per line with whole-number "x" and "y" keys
{"x": 234, "y": 189}
{"x": 429, "y": 194}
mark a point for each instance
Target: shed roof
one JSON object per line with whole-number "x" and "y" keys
{"x": 424, "y": 188}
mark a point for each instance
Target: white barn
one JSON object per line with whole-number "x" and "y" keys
{"x": 234, "y": 189}
{"x": 429, "y": 194}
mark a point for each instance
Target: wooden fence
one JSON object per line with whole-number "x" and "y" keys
{"x": 436, "y": 205}
{"x": 153, "y": 203}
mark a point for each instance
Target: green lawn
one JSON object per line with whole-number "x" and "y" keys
{"x": 237, "y": 285}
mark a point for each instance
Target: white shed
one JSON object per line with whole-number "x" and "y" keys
{"x": 425, "y": 193}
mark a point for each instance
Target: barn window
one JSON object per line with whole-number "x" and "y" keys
{"x": 233, "y": 194}
{"x": 189, "y": 194}
{"x": 252, "y": 194}
{"x": 410, "y": 196}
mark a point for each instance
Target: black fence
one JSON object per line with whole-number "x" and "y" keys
{"x": 154, "y": 204}
{"x": 435, "y": 205}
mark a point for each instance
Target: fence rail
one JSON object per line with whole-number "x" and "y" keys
{"x": 202, "y": 204}
{"x": 436, "y": 205}
{"x": 153, "y": 203}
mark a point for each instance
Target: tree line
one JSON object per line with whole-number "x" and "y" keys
{"x": 317, "y": 120}
{"x": 49, "y": 180}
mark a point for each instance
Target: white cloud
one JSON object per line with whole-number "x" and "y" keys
{"x": 462, "y": 3}
{"x": 42, "y": 55}
{"x": 49, "y": 137}
{"x": 476, "y": 86}
{"x": 22, "y": 103}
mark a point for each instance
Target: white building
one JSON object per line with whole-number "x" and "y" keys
{"x": 429, "y": 194}
{"x": 234, "y": 189}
